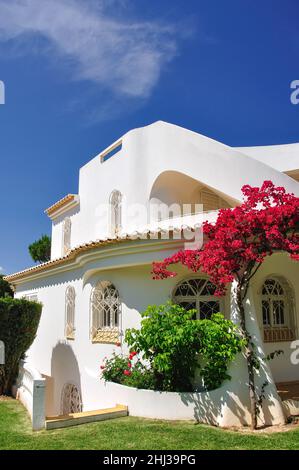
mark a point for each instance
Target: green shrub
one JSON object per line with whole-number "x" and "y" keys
{"x": 19, "y": 321}
{"x": 141, "y": 377}
{"x": 175, "y": 345}
{"x": 220, "y": 342}
{"x": 169, "y": 340}
{"x": 5, "y": 289}
{"x": 113, "y": 368}
{"x": 125, "y": 371}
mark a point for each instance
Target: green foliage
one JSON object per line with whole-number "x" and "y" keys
{"x": 40, "y": 250}
{"x": 141, "y": 377}
{"x": 138, "y": 375}
{"x": 274, "y": 354}
{"x": 19, "y": 320}
{"x": 113, "y": 369}
{"x": 220, "y": 342}
{"x": 175, "y": 345}
{"x": 169, "y": 340}
{"x": 5, "y": 289}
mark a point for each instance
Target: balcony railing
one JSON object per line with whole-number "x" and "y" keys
{"x": 273, "y": 335}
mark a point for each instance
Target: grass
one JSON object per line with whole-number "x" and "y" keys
{"x": 131, "y": 434}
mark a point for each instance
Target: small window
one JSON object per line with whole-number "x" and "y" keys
{"x": 276, "y": 306}
{"x": 66, "y": 242}
{"x": 115, "y": 213}
{"x": 197, "y": 294}
{"x": 70, "y": 299}
{"x": 111, "y": 152}
{"x": 105, "y": 312}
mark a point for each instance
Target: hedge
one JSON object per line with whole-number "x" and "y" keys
{"x": 19, "y": 319}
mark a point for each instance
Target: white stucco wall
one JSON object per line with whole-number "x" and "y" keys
{"x": 150, "y": 157}
{"x": 280, "y": 265}
{"x": 281, "y": 157}
{"x": 62, "y": 361}
{"x": 146, "y": 154}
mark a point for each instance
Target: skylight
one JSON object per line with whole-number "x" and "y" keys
{"x": 111, "y": 152}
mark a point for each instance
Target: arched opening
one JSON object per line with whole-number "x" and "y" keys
{"x": 277, "y": 309}
{"x": 185, "y": 195}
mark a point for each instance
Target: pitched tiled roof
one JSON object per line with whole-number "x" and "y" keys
{"x": 62, "y": 202}
{"x": 146, "y": 235}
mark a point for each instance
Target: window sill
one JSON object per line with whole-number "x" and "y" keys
{"x": 106, "y": 336}
{"x": 70, "y": 337}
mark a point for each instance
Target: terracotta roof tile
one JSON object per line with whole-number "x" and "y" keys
{"x": 94, "y": 244}
{"x": 62, "y": 202}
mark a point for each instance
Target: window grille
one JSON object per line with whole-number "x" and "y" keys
{"x": 197, "y": 294}
{"x": 105, "y": 312}
{"x": 67, "y": 228}
{"x": 276, "y": 309}
{"x": 70, "y": 298}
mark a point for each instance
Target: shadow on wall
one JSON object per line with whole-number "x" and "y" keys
{"x": 66, "y": 393}
{"x": 209, "y": 407}
{"x": 229, "y": 405}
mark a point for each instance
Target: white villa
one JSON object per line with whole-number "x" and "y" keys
{"x": 104, "y": 240}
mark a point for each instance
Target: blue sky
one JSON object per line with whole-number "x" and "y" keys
{"x": 78, "y": 74}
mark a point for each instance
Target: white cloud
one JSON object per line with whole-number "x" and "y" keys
{"x": 121, "y": 55}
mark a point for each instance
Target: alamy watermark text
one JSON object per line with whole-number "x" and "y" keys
{"x": 2, "y": 92}
{"x": 295, "y": 93}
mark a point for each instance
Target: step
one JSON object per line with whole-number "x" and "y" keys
{"x": 288, "y": 390}
{"x": 73, "y": 419}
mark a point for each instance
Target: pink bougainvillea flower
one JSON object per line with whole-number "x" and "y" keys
{"x": 127, "y": 372}
{"x": 266, "y": 222}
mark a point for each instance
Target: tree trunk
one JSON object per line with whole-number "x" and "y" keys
{"x": 249, "y": 355}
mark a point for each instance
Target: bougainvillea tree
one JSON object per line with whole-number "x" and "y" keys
{"x": 236, "y": 245}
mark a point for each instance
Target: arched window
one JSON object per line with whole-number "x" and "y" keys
{"x": 66, "y": 241}
{"x": 115, "y": 212}
{"x": 197, "y": 294}
{"x": 105, "y": 312}
{"x": 70, "y": 298}
{"x": 276, "y": 307}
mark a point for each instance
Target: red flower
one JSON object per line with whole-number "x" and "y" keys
{"x": 129, "y": 365}
{"x": 132, "y": 354}
{"x": 102, "y": 367}
{"x": 242, "y": 237}
{"x": 127, "y": 372}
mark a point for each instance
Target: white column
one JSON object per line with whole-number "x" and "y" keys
{"x": 236, "y": 405}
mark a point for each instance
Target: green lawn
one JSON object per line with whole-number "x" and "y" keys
{"x": 131, "y": 433}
